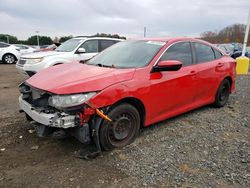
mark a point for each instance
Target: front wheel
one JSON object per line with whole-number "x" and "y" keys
{"x": 123, "y": 129}
{"x": 222, "y": 94}
{"x": 9, "y": 59}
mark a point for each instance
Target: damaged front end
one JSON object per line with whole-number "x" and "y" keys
{"x": 56, "y": 117}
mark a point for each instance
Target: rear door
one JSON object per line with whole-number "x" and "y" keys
{"x": 209, "y": 65}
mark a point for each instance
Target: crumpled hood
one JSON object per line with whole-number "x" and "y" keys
{"x": 78, "y": 78}
{"x": 42, "y": 54}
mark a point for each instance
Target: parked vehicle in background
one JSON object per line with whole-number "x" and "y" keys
{"x": 239, "y": 53}
{"x": 25, "y": 49}
{"x": 228, "y": 48}
{"x": 75, "y": 49}
{"x": 9, "y": 53}
{"x": 49, "y": 47}
{"x": 233, "y": 49}
{"x": 132, "y": 84}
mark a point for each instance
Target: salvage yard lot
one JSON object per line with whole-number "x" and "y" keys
{"x": 208, "y": 147}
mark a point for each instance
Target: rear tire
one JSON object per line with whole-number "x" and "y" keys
{"x": 123, "y": 129}
{"x": 222, "y": 94}
{"x": 9, "y": 59}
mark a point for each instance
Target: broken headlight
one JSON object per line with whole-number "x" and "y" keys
{"x": 64, "y": 101}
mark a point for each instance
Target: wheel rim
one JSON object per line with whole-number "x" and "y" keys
{"x": 224, "y": 93}
{"x": 121, "y": 129}
{"x": 9, "y": 59}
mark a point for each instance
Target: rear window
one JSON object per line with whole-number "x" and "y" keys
{"x": 3, "y": 45}
{"x": 217, "y": 54}
{"x": 203, "y": 53}
{"x": 21, "y": 47}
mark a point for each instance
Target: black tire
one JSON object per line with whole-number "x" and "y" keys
{"x": 123, "y": 129}
{"x": 9, "y": 59}
{"x": 222, "y": 94}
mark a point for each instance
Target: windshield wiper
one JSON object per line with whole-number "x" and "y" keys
{"x": 102, "y": 65}
{"x": 98, "y": 64}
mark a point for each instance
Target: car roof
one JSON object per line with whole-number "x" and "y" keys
{"x": 103, "y": 38}
{"x": 177, "y": 39}
{"x": 171, "y": 39}
{"x": 21, "y": 45}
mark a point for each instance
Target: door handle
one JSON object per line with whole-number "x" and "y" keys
{"x": 220, "y": 65}
{"x": 192, "y": 72}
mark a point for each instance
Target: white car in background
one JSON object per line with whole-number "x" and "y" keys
{"x": 75, "y": 49}
{"x": 25, "y": 49}
{"x": 9, "y": 54}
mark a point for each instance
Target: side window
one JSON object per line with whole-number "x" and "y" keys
{"x": 179, "y": 51}
{"x": 217, "y": 54}
{"x": 22, "y": 47}
{"x": 105, "y": 44}
{"x": 91, "y": 46}
{"x": 203, "y": 52}
{"x": 3, "y": 45}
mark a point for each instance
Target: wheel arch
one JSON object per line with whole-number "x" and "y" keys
{"x": 231, "y": 82}
{"x": 137, "y": 104}
{"x": 8, "y": 53}
{"x": 229, "y": 78}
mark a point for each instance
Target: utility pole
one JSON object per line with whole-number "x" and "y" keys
{"x": 242, "y": 62}
{"x": 246, "y": 35}
{"x": 7, "y": 36}
{"x": 37, "y": 37}
{"x": 144, "y": 31}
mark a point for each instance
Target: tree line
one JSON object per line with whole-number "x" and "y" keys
{"x": 229, "y": 34}
{"x": 232, "y": 33}
{"x": 46, "y": 40}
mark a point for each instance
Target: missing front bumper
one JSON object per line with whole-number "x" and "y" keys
{"x": 80, "y": 133}
{"x": 48, "y": 124}
{"x": 57, "y": 119}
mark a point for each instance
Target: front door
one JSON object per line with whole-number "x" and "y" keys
{"x": 173, "y": 92}
{"x": 91, "y": 49}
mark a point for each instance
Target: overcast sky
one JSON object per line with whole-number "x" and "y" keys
{"x": 124, "y": 17}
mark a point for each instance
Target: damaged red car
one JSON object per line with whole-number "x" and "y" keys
{"x": 135, "y": 83}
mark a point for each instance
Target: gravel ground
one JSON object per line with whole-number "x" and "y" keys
{"x": 208, "y": 147}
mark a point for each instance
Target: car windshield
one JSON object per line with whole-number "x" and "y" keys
{"x": 127, "y": 54}
{"x": 69, "y": 45}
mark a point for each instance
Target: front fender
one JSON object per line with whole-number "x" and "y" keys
{"x": 109, "y": 96}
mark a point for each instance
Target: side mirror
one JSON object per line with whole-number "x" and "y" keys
{"x": 169, "y": 65}
{"x": 81, "y": 50}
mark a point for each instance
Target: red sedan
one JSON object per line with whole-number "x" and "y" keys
{"x": 132, "y": 84}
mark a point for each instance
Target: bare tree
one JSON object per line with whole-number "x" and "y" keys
{"x": 232, "y": 33}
